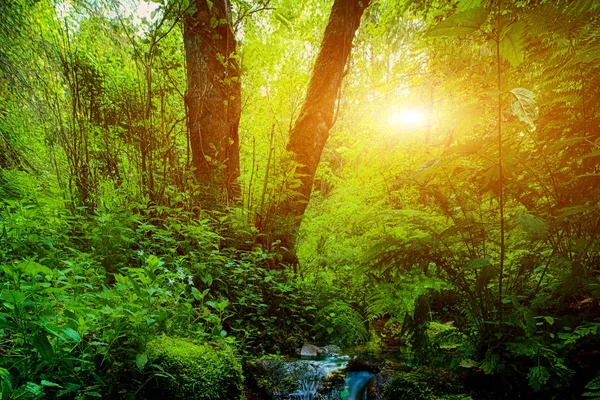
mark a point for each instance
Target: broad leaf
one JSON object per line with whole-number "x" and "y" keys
{"x": 141, "y": 360}
{"x": 468, "y": 363}
{"x": 13, "y": 296}
{"x": 72, "y": 334}
{"x": 41, "y": 343}
{"x": 49, "y": 384}
{"x": 512, "y": 44}
{"x": 29, "y": 390}
{"x": 461, "y": 23}
{"x": 467, "y": 4}
{"x": 5, "y": 383}
{"x": 523, "y": 106}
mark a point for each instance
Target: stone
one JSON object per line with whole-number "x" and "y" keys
{"x": 329, "y": 350}
{"x": 309, "y": 350}
{"x": 366, "y": 363}
{"x": 377, "y": 384}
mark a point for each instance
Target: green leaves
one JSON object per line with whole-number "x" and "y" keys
{"x": 13, "y": 297}
{"x": 534, "y": 226}
{"x": 72, "y": 334}
{"x": 593, "y": 388}
{"x": 512, "y": 43}
{"x": 41, "y": 343}
{"x": 5, "y": 384}
{"x": 538, "y": 376}
{"x": 461, "y": 23}
{"x": 141, "y": 360}
{"x": 523, "y": 106}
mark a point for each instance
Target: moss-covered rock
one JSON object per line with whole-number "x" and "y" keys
{"x": 275, "y": 378}
{"x": 194, "y": 371}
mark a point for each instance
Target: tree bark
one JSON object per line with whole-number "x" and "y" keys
{"x": 213, "y": 97}
{"x": 311, "y": 130}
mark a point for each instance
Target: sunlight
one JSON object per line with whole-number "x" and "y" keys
{"x": 140, "y": 9}
{"x": 408, "y": 117}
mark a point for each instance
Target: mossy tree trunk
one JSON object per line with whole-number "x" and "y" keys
{"x": 311, "y": 129}
{"x": 213, "y": 97}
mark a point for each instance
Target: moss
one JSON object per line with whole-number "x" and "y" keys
{"x": 275, "y": 378}
{"x": 195, "y": 371}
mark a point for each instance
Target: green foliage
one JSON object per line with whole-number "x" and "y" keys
{"x": 344, "y": 325}
{"x": 424, "y": 385}
{"x": 78, "y": 314}
{"x": 461, "y": 23}
{"x": 187, "y": 370}
{"x": 593, "y": 388}
{"x": 105, "y": 242}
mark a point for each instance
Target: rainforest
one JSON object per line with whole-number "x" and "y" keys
{"x": 300, "y": 199}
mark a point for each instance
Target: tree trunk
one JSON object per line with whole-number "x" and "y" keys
{"x": 316, "y": 118}
{"x": 213, "y": 97}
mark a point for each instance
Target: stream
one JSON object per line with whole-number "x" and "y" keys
{"x": 312, "y": 372}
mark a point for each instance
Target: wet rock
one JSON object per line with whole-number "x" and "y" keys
{"x": 298, "y": 379}
{"x": 377, "y": 384}
{"x": 365, "y": 363}
{"x": 309, "y": 350}
{"x": 329, "y": 350}
{"x": 332, "y": 384}
{"x": 271, "y": 379}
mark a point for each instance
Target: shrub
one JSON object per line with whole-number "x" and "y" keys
{"x": 435, "y": 384}
{"x": 186, "y": 370}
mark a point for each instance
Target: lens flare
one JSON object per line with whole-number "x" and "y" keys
{"x": 408, "y": 118}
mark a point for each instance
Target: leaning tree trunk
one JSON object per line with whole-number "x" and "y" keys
{"x": 316, "y": 118}
{"x": 213, "y": 97}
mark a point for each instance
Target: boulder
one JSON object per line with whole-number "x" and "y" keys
{"x": 309, "y": 350}
{"x": 275, "y": 379}
{"x": 366, "y": 363}
{"x": 329, "y": 350}
{"x": 377, "y": 384}
{"x": 194, "y": 370}
{"x": 279, "y": 379}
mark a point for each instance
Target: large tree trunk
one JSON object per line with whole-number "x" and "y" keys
{"x": 213, "y": 97}
{"x": 316, "y": 118}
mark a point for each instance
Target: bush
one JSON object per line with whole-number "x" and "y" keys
{"x": 435, "y": 384}
{"x": 186, "y": 370}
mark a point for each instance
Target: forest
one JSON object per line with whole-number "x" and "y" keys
{"x": 300, "y": 199}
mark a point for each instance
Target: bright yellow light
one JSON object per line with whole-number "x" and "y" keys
{"x": 408, "y": 118}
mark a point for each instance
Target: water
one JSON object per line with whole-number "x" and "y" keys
{"x": 356, "y": 384}
{"x": 312, "y": 372}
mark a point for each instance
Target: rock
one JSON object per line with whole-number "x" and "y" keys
{"x": 329, "y": 350}
{"x": 191, "y": 368}
{"x": 332, "y": 384}
{"x": 377, "y": 384}
{"x": 273, "y": 379}
{"x": 309, "y": 350}
{"x": 284, "y": 379}
{"x": 365, "y": 363}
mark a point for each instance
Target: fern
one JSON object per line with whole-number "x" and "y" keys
{"x": 593, "y": 388}
{"x": 344, "y": 324}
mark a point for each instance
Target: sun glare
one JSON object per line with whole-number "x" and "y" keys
{"x": 408, "y": 118}
{"x": 140, "y": 9}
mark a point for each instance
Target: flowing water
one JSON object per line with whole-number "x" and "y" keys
{"x": 312, "y": 372}
{"x": 356, "y": 384}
